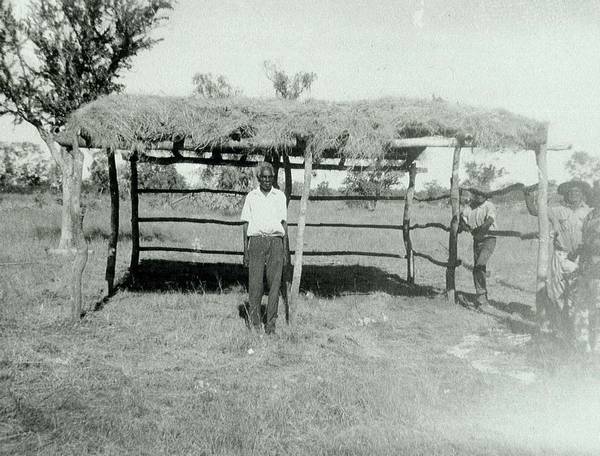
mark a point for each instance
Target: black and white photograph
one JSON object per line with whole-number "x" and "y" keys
{"x": 300, "y": 227}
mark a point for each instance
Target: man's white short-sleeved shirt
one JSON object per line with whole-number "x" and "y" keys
{"x": 476, "y": 217}
{"x": 264, "y": 213}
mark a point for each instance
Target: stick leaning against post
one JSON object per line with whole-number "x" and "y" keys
{"x": 453, "y": 236}
{"x": 286, "y": 285}
{"x": 410, "y": 193}
{"x": 543, "y": 226}
{"x": 301, "y": 224}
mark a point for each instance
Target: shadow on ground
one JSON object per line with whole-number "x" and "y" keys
{"x": 321, "y": 280}
{"x": 519, "y": 317}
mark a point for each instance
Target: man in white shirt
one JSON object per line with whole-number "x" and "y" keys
{"x": 479, "y": 218}
{"x": 265, "y": 245}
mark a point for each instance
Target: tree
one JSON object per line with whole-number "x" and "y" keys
{"x": 208, "y": 86}
{"x": 583, "y": 166}
{"x": 286, "y": 87}
{"x": 323, "y": 189}
{"x": 63, "y": 54}
{"x": 376, "y": 180}
{"x": 432, "y": 189}
{"x": 23, "y": 164}
{"x": 482, "y": 176}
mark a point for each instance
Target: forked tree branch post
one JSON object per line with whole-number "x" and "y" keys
{"x": 286, "y": 284}
{"x": 410, "y": 193}
{"x": 135, "y": 224}
{"x": 300, "y": 230}
{"x": 453, "y": 237}
{"x": 543, "y": 227}
{"x": 111, "y": 260}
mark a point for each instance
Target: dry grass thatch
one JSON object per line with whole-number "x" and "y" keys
{"x": 358, "y": 129}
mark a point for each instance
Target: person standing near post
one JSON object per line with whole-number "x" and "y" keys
{"x": 265, "y": 236}
{"x": 479, "y": 218}
{"x": 566, "y": 222}
{"x": 587, "y": 309}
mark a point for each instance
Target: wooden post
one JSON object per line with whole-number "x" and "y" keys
{"x": 301, "y": 223}
{"x": 453, "y": 237}
{"x": 111, "y": 260}
{"x": 543, "y": 227}
{"x": 274, "y": 160}
{"x": 81, "y": 247}
{"x": 288, "y": 177}
{"x": 410, "y": 193}
{"x": 135, "y": 226}
{"x": 286, "y": 283}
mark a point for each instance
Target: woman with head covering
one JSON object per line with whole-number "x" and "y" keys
{"x": 566, "y": 221}
{"x": 587, "y": 314}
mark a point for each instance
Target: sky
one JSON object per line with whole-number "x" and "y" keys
{"x": 538, "y": 58}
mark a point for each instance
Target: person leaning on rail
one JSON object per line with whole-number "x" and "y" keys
{"x": 566, "y": 221}
{"x": 479, "y": 218}
{"x": 265, "y": 239}
{"x": 587, "y": 307}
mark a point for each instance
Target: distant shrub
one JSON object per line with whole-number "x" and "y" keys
{"x": 432, "y": 189}
{"x": 224, "y": 178}
{"x": 323, "y": 189}
{"x": 149, "y": 176}
{"x": 377, "y": 180}
{"x": 24, "y": 165}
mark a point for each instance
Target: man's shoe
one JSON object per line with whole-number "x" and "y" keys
{"x": 481, "y": 301}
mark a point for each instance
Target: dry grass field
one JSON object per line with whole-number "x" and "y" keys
{"x": 372, "y": 365}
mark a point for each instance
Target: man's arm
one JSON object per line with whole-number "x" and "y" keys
{"x": 246, "y": 261}
{"x": 286, "y": 244}
{"x": 462, "y": 224}
{"x": 484, "y": 227}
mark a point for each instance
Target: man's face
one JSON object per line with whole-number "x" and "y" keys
{"x": 265, "y": 179}
{"x": 465, "y": 198}
{"x": 476, "y": 199}
{"x": 574, "y": 196}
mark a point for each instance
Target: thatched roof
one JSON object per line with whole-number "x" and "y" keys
{"x": 357, "y": 129}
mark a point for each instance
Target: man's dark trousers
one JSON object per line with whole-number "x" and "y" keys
{"x": 265, "y": 255}
{"x": 482, "y": 251}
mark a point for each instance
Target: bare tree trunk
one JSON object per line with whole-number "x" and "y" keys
{"x": 70, "y": 189}
{"x": 78, "y": 238}
{"x": 300, "y": 231}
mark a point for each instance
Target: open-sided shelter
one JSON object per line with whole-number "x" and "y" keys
{"x": 231, "y": 131}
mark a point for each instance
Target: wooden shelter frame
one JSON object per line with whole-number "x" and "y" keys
{"x": 402, "y": 153}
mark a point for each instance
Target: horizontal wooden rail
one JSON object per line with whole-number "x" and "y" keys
{"x": 351, "y": 198}
{"x": 431, "y": 259}
{"x": 252, "y": 163}
{"x": 153, "y": 248}
{"x": 499, "y": 233}
{"x": 429, "y": 225}
{"x": 351, "y": 225}
{"x": 191, "y": 190}
{"x": 293, "y": 197}
{"x": 191, "y": 220}
{"x": 236, "y": 252}
{"x": 499, "y": 192}
{"x": 239, "y": 223}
